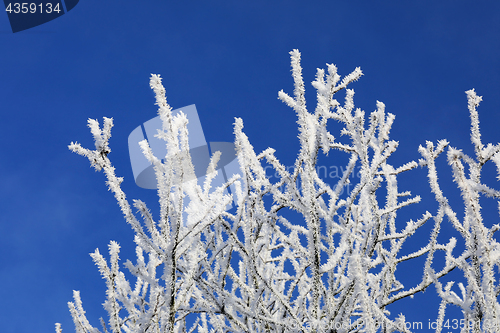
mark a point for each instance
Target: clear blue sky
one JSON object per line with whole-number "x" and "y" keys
{"x": 230, "y": 58}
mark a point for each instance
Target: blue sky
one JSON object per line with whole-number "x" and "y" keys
{"x": 230, "y": 59}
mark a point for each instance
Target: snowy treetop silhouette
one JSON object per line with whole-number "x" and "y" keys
{"x": 333, "y": 269}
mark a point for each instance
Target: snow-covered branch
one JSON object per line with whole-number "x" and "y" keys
{"x": 331, "y": 267}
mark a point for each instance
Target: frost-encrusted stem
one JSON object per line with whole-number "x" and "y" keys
{"x": 331, "y": 265}
{"x": 479, "y": 260}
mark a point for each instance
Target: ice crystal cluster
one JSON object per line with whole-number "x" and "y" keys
{"x": 331, "y": 268}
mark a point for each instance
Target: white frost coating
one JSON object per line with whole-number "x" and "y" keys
{"x": 330, "y": 269}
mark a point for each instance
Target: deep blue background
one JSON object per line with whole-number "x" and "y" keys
{"x": 230, "y": 59}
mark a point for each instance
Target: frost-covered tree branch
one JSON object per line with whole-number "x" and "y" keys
{"x": 332, "y": 268}
{"x": 480, "y": 259}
